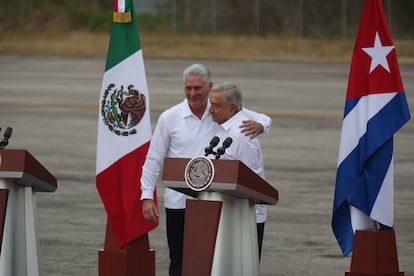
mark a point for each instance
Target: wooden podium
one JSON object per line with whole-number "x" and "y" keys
{"x": 220, "y": 236}
{"x": 21, "y": 176}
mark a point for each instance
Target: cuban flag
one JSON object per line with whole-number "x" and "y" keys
{"x": 375, "y": 109}
{"x": 124, "y": 128}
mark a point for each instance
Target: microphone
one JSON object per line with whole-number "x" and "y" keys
{"x": 214, "y": 141}
{"x": 5, "y": 141}
{"x": 226, "y": 143}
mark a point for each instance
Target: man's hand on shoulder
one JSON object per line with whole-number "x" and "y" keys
{"x": 251, "y": 128}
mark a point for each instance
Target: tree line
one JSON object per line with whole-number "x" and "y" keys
{"x": 290, "y": 18}
{"x": 300, "y": 18}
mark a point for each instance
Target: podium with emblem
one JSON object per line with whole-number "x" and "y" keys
{"x": 21, "y": 177}
{"x": 220, "y": 236}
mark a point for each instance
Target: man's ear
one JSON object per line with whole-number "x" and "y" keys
{"x": 210, "y": 85}
{"x": 233, "y": 108}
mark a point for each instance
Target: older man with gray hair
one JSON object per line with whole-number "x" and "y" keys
{"x": 225, "y": 106}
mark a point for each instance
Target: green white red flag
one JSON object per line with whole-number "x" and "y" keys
{"x": 124, "y": 128}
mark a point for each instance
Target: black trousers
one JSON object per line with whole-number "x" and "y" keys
{"x": 175, "y": 238}
{"x": 260, "y": 231}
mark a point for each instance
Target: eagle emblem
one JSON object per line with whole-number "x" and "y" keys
{"x": 199, "y": 173}
{"x": 122, "y": 110}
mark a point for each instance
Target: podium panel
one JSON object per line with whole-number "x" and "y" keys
{"x": 201, "y": 225}
{"x": 21, "y": 176}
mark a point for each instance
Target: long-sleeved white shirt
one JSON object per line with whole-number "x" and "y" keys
{"x": 179, "y": 133}
{"x": 246, "y": 150}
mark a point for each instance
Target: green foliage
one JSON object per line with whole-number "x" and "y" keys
{"x": 154, "y": 22}
{"x": 314, "y": 19}
{"x": 92, "y": 20}
{"x": 331, "y": 31}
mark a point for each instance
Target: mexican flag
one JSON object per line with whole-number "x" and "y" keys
{"x": 124, "y": 128}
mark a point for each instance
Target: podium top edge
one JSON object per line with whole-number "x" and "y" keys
{"x": 246, "y": 182}
{"x": 21, "y": 161}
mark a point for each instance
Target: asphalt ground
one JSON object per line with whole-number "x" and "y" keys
{"x": 52, "y": 105}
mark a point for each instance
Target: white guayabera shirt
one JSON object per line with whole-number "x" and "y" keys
{"x": 246, "y": 150}
{"x": 179, "y": 133}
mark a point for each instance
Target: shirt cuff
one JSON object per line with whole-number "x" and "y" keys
{"x": 147, "y": 194}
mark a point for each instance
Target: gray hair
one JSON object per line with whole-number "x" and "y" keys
{"x": 198, "y": 69}
{"x": 232, "y": 93}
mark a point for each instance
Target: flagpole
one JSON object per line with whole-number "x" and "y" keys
{"x": 124, "y": 132}
{"x": 375, "y": 225}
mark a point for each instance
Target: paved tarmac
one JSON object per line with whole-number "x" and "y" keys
{"x": 51, "y": 103}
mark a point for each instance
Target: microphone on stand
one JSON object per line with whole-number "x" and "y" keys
{"x": 209, "y": 150}
{"x": 5, "y": 141}
{"x": 226, "y": 143}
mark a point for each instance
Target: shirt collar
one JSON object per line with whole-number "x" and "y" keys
{"x": 186, "y": 111}
{"x": 231, "y": 122}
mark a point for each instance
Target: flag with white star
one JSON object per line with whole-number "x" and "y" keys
{"x": 375, "y": 109}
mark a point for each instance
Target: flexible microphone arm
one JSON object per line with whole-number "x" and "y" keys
{"x": 209, "y": 150}
{"x": 220, "y": 151}
{"x": 5, "y": 141}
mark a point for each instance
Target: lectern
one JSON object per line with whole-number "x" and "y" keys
{"x": 21, "y": 176}
{"x": 220, "y": 236}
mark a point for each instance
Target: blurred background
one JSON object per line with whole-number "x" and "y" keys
{"x": 282, "y": 30}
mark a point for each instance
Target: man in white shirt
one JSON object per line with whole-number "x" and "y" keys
{"x": 226, "y": 110}
{"x": 183, "y": 131}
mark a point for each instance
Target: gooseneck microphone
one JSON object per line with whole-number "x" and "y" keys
{"x": 214, "y": 141}
{"x": 5, "y": 141}
{"x": 226, "y": 143}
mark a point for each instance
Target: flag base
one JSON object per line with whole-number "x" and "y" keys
{"x": 374, "y": 254}
{"x": 135, "y": 258}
